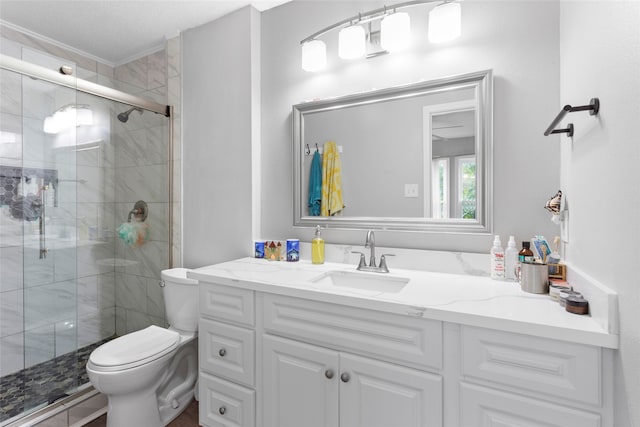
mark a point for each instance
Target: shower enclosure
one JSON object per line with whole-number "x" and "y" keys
{"x": 77, "y": 162}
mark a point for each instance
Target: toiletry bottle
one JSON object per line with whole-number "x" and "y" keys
{"x": 317, "y": 248}
{"x": 525, "y": 254}
{"x": 510, "y": 259}
{"x": 497, "y": 259}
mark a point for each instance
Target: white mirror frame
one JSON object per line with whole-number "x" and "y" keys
{"x": 482, "y": 81}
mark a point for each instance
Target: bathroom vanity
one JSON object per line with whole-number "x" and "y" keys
{"x": 296, "y": 344}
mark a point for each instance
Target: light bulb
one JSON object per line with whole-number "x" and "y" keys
{"x": 445, "y": 22}
{"x": 352, "y": 42}
{"x": 314, "y": 55}
{"x": 395, "y": 32}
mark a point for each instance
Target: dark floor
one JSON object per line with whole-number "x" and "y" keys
{"x": 189, "y": 418}
{"x": 43, "y": 383}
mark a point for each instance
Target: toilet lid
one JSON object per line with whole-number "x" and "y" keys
{"x": 134, "y": 349}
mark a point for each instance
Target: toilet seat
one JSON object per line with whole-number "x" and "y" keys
{"x": 134, "y": 349}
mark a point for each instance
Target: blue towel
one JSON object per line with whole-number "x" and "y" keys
{"x": 315, "y": 185}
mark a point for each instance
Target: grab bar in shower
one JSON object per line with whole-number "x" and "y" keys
{"x": 593, "y": 108}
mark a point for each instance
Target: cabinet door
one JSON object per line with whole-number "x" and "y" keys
{"x": 374, "y": 393}
{"x": 300, "y": 384}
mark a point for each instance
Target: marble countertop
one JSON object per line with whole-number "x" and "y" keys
{"x": 455, "y": 298}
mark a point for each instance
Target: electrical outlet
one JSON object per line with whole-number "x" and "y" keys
{"x": 411, "y": 190}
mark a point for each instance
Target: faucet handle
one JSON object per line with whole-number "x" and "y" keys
{"x": 383, "y": 262}
{"x": 363, "y": 262}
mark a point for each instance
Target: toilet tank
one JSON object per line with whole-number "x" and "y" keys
{"x": 180, "y": 299}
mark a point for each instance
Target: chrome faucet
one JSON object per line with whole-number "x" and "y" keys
{"x": 371, "y": 244}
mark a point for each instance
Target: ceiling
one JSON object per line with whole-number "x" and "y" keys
{"x": 116, "y": 31}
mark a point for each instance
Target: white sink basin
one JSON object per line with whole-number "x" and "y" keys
{"x": 373, "y": 282}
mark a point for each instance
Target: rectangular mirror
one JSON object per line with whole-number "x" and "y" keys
{"x": 414, "y": 157}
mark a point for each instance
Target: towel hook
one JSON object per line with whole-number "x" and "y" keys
{"x": 308, "y": 150}
{"x": 317, "y": 149}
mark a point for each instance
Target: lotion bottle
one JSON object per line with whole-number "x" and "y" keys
{"x": 317, "y": 248}
{"x": 511, "y": 259}
{"x": 497, "y": 259}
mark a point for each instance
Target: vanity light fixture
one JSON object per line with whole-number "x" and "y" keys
{"x": 445, "y": 23}
{"x": 314, "y": 55}
{"x": 395, "y": 32}
{"x": 352, "y": 42}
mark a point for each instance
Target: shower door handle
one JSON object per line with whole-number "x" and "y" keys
{"x": 43, "y": 235}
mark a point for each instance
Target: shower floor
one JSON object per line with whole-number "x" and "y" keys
{"x": 44, "y": 383}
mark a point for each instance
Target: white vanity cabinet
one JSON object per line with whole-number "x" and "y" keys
{"x": 305, "y": 359}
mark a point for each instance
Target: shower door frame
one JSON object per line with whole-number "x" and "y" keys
{"x": 57, "y": 77}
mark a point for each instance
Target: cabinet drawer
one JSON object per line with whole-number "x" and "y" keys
{"x": 481, "y": 406}
{"x": 389, "y": 336}
{"x": 227, "y": 351}
{"x": 227, "y": 303}
{"x": 225, "y": 404}
{"x": 550, "y": 367}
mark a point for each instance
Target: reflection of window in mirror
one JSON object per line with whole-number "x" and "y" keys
{"x": 466, "y": 187}
{"x": 450, "y": 142}
{"x": 440, "y": 190}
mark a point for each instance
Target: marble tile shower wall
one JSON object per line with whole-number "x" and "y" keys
{"x": 117, "y": 296}
{"x": 141, "y": 174}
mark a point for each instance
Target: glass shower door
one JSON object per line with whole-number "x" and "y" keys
{"x": 50, "y": 116}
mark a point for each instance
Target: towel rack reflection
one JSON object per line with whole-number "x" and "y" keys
{"x": 320, "y": 150}
{"x": 593, "y": 108}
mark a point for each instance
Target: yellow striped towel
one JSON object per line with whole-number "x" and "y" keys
{"x": 332, "y": 202}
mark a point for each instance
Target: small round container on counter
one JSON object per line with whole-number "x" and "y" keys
{"x": 555, "y": 289}
{"x": 577, "y": 305}
{"x": 564, "y": 294}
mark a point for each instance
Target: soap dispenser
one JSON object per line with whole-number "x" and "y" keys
{"x": 317, "y": 248}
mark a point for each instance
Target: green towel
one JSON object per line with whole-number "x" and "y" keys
{"x": 315, "y": 185}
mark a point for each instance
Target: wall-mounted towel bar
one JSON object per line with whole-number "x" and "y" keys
{"x": 593, "y": 108}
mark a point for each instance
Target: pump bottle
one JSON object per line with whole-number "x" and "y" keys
{"x": 317, "y": 248}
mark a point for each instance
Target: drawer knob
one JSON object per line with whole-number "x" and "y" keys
{"x": 345, "y": 377}
{"x": 222, "y": 352}
{"x": 222, "y": 410}
{"x": 328, "y": 373}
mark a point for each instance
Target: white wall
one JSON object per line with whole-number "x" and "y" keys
{"x": 600, "y": 57}
{"x": 219, "y": 94}
{"x": 518, "y": 40}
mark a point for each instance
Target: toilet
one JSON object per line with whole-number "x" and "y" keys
{"x": 149, "y": 376}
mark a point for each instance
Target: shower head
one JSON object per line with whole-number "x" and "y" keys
{"x": 124, "y": 116}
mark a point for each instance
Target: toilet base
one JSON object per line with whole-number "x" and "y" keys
{"x": 133, "y": 410}
{"x": 177, "y": 391}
